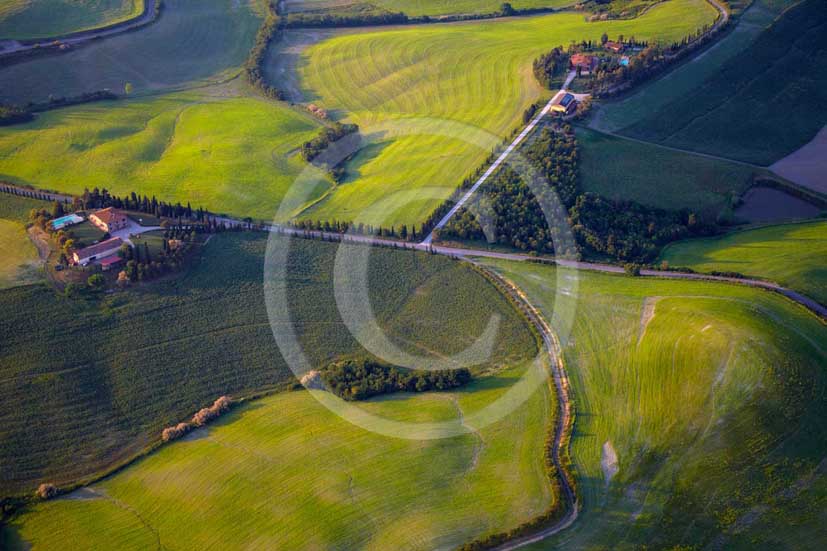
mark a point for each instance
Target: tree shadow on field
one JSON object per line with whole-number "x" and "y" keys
{"x": 374, "y": 147}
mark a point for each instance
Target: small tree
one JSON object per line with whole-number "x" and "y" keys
{"x": 46, "y": 491}
{"x": 123, "y": 279}
{"x": 632, "y": 269}
{"x": 507, "y": 9}
{"x": 96, "y": 282}
{"x": 604, "y": 38}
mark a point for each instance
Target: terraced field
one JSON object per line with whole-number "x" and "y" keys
{"x": 735, "y": 114}
{"x": 284, "y": 472}
{"x": 435, "y": 99}
{"x": 235, "y": 155}
{"x": 793, "y": 255}
{"x": 700, "y": 412}
{"x": 623, "y": 169}
{"x": 45, "y": 18}
{"x": 193, "y": 41}
{"x": 96, "y": 380}
{"x": 20, "y": 258}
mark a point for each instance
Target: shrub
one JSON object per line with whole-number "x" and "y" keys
{"x": 206, "y": 415}
{"x": 179, "y": 430}
{"x": 46, "y": 491}
{"x": 96, "y": 281}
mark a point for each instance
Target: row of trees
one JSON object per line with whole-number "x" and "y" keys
{"x": 359, "y": 380}
{"x": 338, "y": 226}
{"x": 101, "y": 198}
{"x": 10, "y": 114}
{"x": 375, "y": 16}
{"x": 201, "y": 418}
{"x": 253, "y": 67}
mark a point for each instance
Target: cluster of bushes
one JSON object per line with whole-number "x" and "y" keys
{"x": 253, "y": 66}
{"x": 201, "y": 418}
{"x": 359, "y": 380}
{"x": 332, "y": 147}
{"x": 549, "y": 66}
{"x": 64, "y": 101}
{"x": 10, "y": 114}
{"x": 47, "y": 491}
{"x": 329, "y": 135}
{"x": 625, "y": 230}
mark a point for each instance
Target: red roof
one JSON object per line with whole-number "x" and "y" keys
{"x": 582, "y": 60}
{"x": 109, "y": 215}
{"x": 110, "y": 260}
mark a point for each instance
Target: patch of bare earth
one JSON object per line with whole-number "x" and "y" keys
{"x": 646, "y": 315}
{"x": 608, "y": 461}
{"x": 807, "y": 166}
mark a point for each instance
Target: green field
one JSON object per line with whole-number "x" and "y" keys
{"x": 308, "y": 479}
{"x": 763, "y": 104}
{"x": 793, "y": 255}
{"x": 233, "y": 155}
{"x": 435, "y": 99}
{"x": 191, "y": 42}
{"x": 20, "y": 258}
{"x": 712, "y": 397}
{"x": 46, "y": 18}
{"x": 614, "y": 115}
{"x": 96, "y": 380}
{"x": 623, "y": 169}
{"x": 420, "y": 7}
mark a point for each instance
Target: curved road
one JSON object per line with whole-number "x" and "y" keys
{"x": 12, "y": 47}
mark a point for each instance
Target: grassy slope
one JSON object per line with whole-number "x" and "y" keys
{"x": 615, "y": 115}
{"x": 793, "y": 255}
{"x": 763, "y": 104}
{"x": 233, "y": 155}
{"x": 192, "y": 41}
{"x": 715, "y": 408}
{"x": 476, "y": 74}
{"x": 19, "y": 265}
{"x": 426, "y": 7}
{"x": 46, "y": 18}
{"x": 623, "y": 169}
{"x": 328, "y": 483}
{"x": 96, "y": 381}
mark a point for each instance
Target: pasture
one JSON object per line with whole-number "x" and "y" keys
{"x": 309, "y": 479}
{"x": 21, "y": 19}
{"x": 191, "y": 43}
{"x": 98, "y": 378}
{"x": 419, "y": 7}
{"x": 711, "y": 397}
{"x": 234, "y": 155}
{"x": 623, "y": 169}
{"x": 737, "y": 111}
{"x": 433, "y": 100}
{"x": 612, "y": 116}
{"x": 20, "y": 259}
{"x": 794, "y": 255}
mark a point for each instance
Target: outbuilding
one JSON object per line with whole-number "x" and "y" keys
{"x": 99, "y": 251}
{"x": 564, "y": 103}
